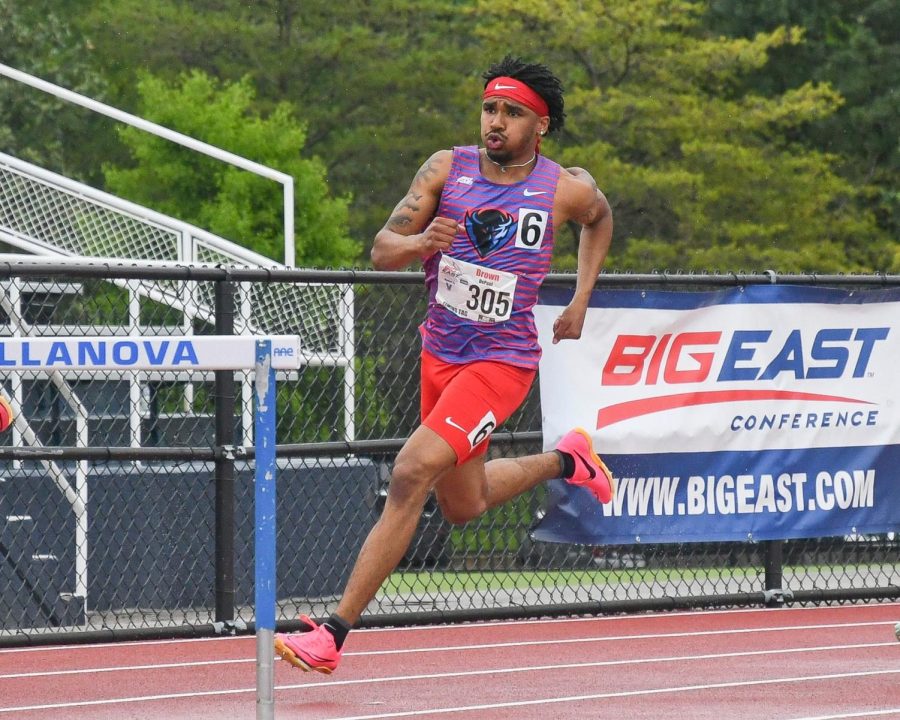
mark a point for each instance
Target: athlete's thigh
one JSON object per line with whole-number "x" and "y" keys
{"x": 424, "y": 457}
{"x": 462, "y": 490}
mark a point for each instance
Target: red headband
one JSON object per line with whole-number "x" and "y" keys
{"x": 516, "y": 90}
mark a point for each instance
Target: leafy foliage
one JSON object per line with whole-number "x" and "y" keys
{"x": 34, "y": 126}
{"x": 227, "y": 200}
{"x": 702, "y": 173}
{"x": 728, "y": 134}
{"x": 855, "y": 46}
{"x": 374, "y": 80}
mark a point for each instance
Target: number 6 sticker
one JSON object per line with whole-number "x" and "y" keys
{"x": 531, "y": 229}
{"x": 483, "y": 430}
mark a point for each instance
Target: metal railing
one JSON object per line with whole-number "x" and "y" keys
{"x": 49, "y": 215}
{"x": 285, "y": 180}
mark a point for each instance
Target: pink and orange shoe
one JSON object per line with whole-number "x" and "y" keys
{"x": 7, "y": 414}
{"x": 313, "y": 650}
{"x": 590, "y": 472}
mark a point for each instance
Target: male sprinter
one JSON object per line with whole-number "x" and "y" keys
{"x": 482, "y": 221}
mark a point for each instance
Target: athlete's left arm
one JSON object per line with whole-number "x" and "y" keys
{"x": 588, "y": 206}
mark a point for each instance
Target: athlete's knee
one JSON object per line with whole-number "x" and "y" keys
{"x": 409, "y": 484}
{"x": 458, "y": 511}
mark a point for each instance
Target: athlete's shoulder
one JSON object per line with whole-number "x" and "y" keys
{"x": 440, "y": 160}
{"x": 456, "y": 152}
{"x": 433, "y": 173}
{"x": 581, "y": 175}
{"x": 576, "y": 192}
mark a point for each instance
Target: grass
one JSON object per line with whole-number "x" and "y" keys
{"x": 455, "y": 582}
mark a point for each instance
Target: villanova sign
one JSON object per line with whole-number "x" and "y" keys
{"x": 143, "y": 353}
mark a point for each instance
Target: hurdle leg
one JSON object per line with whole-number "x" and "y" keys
{"x": 264, "y": 496}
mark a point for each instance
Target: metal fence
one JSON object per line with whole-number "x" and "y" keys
{"x": 126, "y": 497}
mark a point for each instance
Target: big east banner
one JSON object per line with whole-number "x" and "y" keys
{"x": 760, "y": 413}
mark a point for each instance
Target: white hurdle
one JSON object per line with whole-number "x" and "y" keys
{"x": 265, "y": 355}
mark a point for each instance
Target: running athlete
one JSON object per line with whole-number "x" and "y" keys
{"x": 482, "y": 221}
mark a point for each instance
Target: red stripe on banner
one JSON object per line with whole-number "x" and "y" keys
{"x": 635, "y": 408}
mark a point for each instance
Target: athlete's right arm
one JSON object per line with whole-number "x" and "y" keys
{"x": 413, "y": 233}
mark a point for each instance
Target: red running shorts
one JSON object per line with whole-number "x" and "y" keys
{"x": 464, "y": 404}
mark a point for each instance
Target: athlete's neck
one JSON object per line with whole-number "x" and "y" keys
{"x": 510, "y": 168}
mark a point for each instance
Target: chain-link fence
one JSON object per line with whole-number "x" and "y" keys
{"x": 126, "y": 496}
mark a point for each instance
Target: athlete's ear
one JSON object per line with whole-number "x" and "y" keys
{"x": 543, "y": 125}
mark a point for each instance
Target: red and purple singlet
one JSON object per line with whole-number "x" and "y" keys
{"x": 481, "y": 292}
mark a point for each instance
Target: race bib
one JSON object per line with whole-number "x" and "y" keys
{"x": 474, "y": 292}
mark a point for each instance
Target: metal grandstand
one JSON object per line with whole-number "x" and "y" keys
{"x": 45, "y": 214}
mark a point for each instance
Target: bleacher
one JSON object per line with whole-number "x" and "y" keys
{"x": 47, "y": 543}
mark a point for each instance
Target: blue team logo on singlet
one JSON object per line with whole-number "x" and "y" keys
{"x": 489, "y": 229}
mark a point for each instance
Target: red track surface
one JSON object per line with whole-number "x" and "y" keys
{"x": 815, "y": 663}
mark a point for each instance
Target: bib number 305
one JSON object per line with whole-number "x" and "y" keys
{"x": 487, "y": 301}
{"x": 474, "y": 292}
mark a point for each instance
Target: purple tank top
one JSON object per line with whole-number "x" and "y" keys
{"x": 481, "y": 292}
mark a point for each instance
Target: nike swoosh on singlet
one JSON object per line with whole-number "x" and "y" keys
{"x": 586, "y": 464}
{"x": 528, "y": 193}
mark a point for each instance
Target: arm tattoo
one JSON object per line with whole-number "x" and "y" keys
{"x": 593, "y": 214}
{"x": 410, "y": 205}
{"x": 397, "y": 222}
{"x": 410, "y": 202}
{"x": 403, "y": 212}
{"x": 425, "y": 172}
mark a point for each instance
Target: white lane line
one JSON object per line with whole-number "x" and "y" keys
{"x": 468, "y": 626}
{"x": 125, "y": 668}
{"x": 123, "y": 644}
{"x": 642, "y": 617}
{"x": 618, "y": 638}
{"x": 860, "y": 714}
{"x": 470, "y": 647}
{"x": 330, "y": 684}
{"x": 123, "y": 700}
{"x": 610, "y": 695}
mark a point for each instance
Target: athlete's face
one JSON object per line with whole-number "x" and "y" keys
{"x": 509, "y": 130}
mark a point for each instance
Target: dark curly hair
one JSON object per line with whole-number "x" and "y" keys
{"x": 539, "y": 78}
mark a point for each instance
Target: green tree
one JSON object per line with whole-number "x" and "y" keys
{"x": 39, "y": 39}
{"x": 855, "y": 46}
{"x": 708, "y": 159}
{"x": 702, "y": 173}
{"x": 377, "y": 82}
{"x": 382, "y": 85}
{"x": 227, "y": 39}
{"x": 226, "y": 200}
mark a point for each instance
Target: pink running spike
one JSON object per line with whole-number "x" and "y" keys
{"x": 313, "y": 650}
{"x": 590, "y": 472}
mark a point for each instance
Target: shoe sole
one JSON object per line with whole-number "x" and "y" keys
{"x": 602, "y": 465}
{"x": 285, "y": 653}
